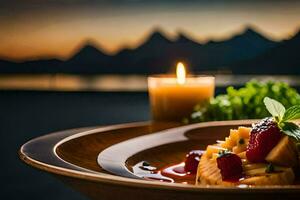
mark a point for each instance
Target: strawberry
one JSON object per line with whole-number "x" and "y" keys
{"x": 192, "y": 161}
{"x": 230, "y": 166}
{"x": 263, "y": 138}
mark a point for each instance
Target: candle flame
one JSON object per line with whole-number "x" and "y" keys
{"x": 181, "y": 74}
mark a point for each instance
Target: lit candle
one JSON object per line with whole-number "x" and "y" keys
{"x": 173, "y": 98}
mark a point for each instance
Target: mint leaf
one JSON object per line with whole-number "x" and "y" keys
{"x": 274, "y": 107}
{"x": 291, "y": 129}
{"x": 292, "y": 113}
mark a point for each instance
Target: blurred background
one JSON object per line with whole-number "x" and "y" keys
{"x": 67, "y": 64}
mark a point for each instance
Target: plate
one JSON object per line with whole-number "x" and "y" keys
{"x": 73, "y": 157}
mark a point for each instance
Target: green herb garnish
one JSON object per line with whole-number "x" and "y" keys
{"x": 245, "y": 102}
{"x": 270, "y": 168}
{"x": 223, "y": 152}
{"x": 274, "y": 107}
{"x": 292, "y": 113}
{"x": 283, "y": 117}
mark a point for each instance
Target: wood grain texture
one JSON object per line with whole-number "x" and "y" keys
{"x": 83, "y": 151}
{"x": 77, "y": 156}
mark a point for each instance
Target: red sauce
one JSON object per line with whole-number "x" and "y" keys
{"x": 174, "y": 173}
{"x": 179, "y": 174}
{"x": 158, "y": 177}
{"x": 184, "y": 172}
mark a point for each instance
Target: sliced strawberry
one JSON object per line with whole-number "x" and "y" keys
{"x": 192, "y": 161}
{"x": 263, "y": 138}
{"x": 230, "y": 166}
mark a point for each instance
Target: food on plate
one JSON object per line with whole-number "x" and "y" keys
{"x": 265, "y": 154}
{"x": 264, "y": 136}
{"x": 183, "y": 172}
{"x": 192, "y": 160}
{"x": 268, "y": 153}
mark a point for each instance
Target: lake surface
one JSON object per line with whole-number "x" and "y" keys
{"x": 135, "y": 83}
{"x": 28, "y": 114}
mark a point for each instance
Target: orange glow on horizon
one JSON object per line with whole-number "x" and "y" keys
{"x": 42, "y": 34}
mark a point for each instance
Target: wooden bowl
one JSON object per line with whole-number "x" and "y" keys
{"x": 72, "y": 157}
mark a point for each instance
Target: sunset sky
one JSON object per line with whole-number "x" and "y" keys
{"x": 36, "y": 28}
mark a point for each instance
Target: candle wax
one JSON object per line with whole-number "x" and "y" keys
{"x": 173, "y": 102}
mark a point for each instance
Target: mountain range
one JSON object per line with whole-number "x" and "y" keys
{"x": 248, "y": 52}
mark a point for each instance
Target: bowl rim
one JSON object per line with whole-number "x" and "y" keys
{"x": 71, "y": 170}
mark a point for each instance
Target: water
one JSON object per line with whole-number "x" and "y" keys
{"x": 28, "y": 114}
{"x": 135, "y": 83}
